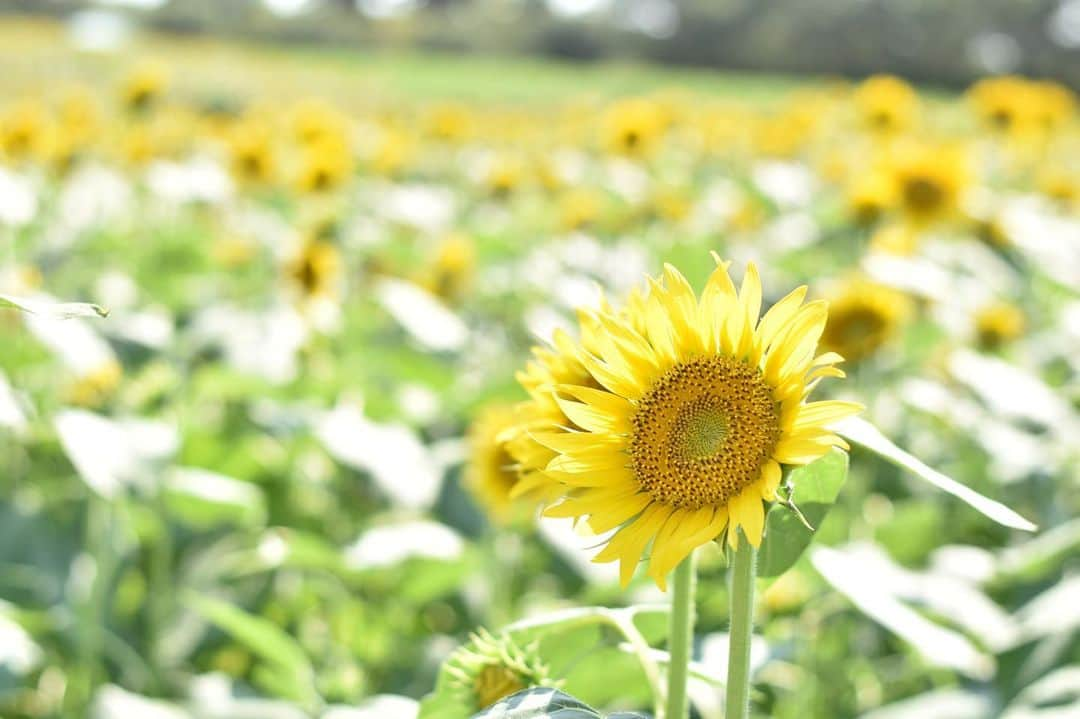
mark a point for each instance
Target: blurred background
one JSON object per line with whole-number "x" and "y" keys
{"x": 273, "y": 482}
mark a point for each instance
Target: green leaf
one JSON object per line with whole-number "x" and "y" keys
{"x": 265, "y": 639}
{"x": 56, "y": 310}
{"x": 545, "y": 703}
{"x": 816, "y": 487}
{"x": 863, "y": 433}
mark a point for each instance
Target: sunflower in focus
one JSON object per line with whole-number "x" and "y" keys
{"x": 693, "y": 407}
{"x": 863, "y": 316}
{"x": 998, "y": 324}
{"x": 928, "y": 182}
{"x": 886, "y": 104}
{"x": 491, "y": 471}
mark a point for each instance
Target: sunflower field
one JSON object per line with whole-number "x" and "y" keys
{"x": 352, "y": 386}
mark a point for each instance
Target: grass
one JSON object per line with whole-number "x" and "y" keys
{"x": 40, "y": 54}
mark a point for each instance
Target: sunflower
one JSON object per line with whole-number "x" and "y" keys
{"x": 869, "y": 198}
{"x": 886, "y": 104}
{"x": 314, "y": 272}
{"x": 326, "y": 165}
{"x": 692, "y": 408}
{"x": 998, "y": 324}
{"x": 863, "y": 316}
{"x": 251, "y": 152}
{"x": 928, "y": 182}
{"x": 491, "y": 471}
{"x": 144, "y": 86}
{"x": 634, "y": 127}
{"x": 489, "y": 668}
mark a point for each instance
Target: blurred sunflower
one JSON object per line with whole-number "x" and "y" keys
{"x": 698, "y": 407}
{"x": 886, "y": 104}
{"x": 450, "y": 273}
{"x": 23, "y": 128}
{"x": 314, "y": 272}
{"x": 144, "y": 86}
{"x": 633, "y": 127}
{"x": 928, "y": 182}
{"x": 863, "y": 316}
{"x": 491, "y": 471}
{"x": 998, "y": 324}
{"x": 870, "y": 198}
{"x": 325, "y": 166}
{"x": 251, "y": 153}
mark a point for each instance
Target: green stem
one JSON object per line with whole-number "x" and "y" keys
{"x": 681, "y": 638}
{"x": 743, "y": 573}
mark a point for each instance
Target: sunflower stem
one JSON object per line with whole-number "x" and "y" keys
{"x": 681, "y": 638}
{"x": 743, "y": 574}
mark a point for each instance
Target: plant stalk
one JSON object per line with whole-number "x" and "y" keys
{"x": 743, "y": 574}
{"x": 681, "y": 638}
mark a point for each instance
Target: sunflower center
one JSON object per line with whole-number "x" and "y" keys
{"x": 703, "y": 432}
{"x": 495, "y": 682}
{"x": 923, "y": 194}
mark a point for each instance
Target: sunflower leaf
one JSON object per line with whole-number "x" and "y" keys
{"x": 56, "y": 310}
{"x": 814, "y": 491}
{"x": 867, "y": 435}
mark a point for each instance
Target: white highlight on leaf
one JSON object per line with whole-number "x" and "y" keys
{"x": 399, "y": 463}
{"x": 863, "y": 433}
{"x": 861, "y": 584}
{"x": 427, "y": 320}
{"x": 111, "y": 455}
{"x": 391, "y": 544}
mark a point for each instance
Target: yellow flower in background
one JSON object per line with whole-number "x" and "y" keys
{"x": 315, "y": 271}
{"x": 146, "y": 84}
{"x": 699, "y": 405}
{"x": 94, "y": 388}
{"x": 863, "y": 316}
{"x": 325, "y": 166}
{"x": 870, "y": 198}
{"x": 579, "y": 208}
{"x": 1060, "y": 185}
{"x": 897, "y": 239}
{"x": 23, "y": 127}
{"x": 251, "y": 155}
{"x": 998, "y": 324}
{"x": 314, "y": 121}
{"x": 504, "y": 176}
{"x": 450, "y": 273}
{"x": 491, "y": 471}
{"x": 449, "y": 122}
{"x": 929, "y": 182}
{"x": 633, "y": 127}
{"x": 886, "y": 104}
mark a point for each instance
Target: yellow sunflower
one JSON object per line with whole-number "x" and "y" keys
{"x": 693, "y": 407}
{"x": 886, "y": 104}
{"x": 998, "y": 324}
{"x": 863, "y": 316}
{"x": 491, "y": 471}
{"x": 929, "y": 182}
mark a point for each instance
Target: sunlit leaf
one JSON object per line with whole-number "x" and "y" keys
{"x": 815, "y": 489}
{"x": 867, "y": 435}
{"x": 56, "y": 310}
{"x": 283, "y": 655}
